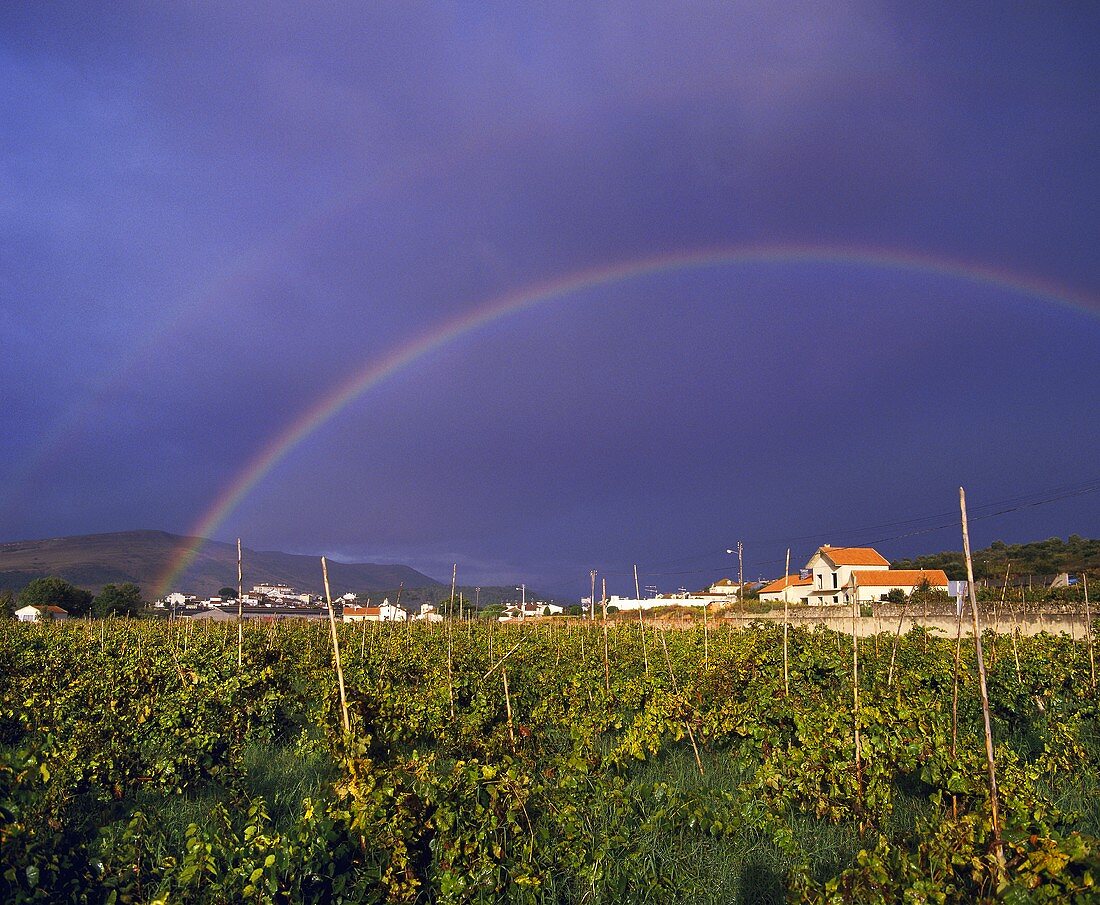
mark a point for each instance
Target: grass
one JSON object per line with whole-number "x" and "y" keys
{"x": 282, "y": 776}
{"x": 749, "y": 866}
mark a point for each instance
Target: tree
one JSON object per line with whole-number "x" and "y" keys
{"x": 55, "y": 591}
{"x": 228, "y": 593}
{"x": 118, "y": 600}
{"x": 7, "y": 605}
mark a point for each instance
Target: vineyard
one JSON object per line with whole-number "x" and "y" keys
{"x": 553, "y": 762}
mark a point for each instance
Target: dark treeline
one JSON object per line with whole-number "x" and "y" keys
{"x": 1046, "y": 557}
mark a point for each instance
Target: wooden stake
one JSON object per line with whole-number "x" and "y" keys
{"x": 508, "y": 706}
{"x": 998, "y": 851}
{"x": 955, "y": 686}
{"x": 676, "y": 689}
{"x": 606, "y": 662}
{"x": 894, "y": 649}
{"x": 1088, "y": 632}
{"x": 786, "y": 620}
{"x": 336, "y": 651}
{"x": 240, "y": 609}
{"x": 855, "y": 696}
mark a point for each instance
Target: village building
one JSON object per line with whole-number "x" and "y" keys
{"x": 48, "y": 613}
{"x": 724, "y": 587}
{"x": 427, "y": 614}
{"x": 792, "y": 589}
{"x": 831, "y": 568}
{"x": 387, "y": 612}
{"x": 871, "y": 586}
{"x": 529, "y": 610}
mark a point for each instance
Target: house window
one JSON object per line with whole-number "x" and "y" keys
{"x": 820, "y": 583}
{"x": 835, "y": 585}
{"x": 836, "y": 599}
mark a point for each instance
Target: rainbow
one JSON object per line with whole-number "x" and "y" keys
{"x": 561, "y": 287}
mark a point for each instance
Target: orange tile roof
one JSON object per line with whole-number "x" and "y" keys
{"x": 362, "y": 610}
{"x": 778, "y": 585}
{"x": 901, "y": 578}
{"x": 853, "y": 556}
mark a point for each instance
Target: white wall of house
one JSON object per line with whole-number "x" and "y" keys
{"x": 39, "y": 614}
{"x": 829, "y": 579}
{"x": 649, "y": 603}
{"x": 795, "y": 593}
{"x": 872, "y": 593}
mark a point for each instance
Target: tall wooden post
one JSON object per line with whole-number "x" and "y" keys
{"x": 336, "y": 651}
{"x": 1088, "y": 633}
{"x": 240, "y": 609}
{"x": 786, "y": 620}
{"x": 990, "y": 761}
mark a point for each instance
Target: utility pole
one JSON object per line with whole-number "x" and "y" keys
{"x": 592, "y": 599}
{"x": 637, "y": 592}
{"x": 741, "y": 577}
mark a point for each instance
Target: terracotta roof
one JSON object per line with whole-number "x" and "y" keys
{"x": 362, "y": 611}
{"x": 901, "y": 578}
{"x": 794, "y": 581}
{"x": 853, "y": 556}
{"x": 724, "y": 582}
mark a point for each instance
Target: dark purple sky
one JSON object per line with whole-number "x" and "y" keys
{"x": 213, "y": 213}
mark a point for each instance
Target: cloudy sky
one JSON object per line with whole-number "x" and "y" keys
{"x": 879, "y": 229}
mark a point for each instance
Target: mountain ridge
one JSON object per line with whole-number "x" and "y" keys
{"x": 145, "y": 556}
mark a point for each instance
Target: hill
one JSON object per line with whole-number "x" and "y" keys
{"x": 143, "y": 557}
{"x": 1045, "y": 557}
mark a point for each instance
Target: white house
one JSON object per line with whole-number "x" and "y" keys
{"x": 529, "y": 610}
{"x": 384, "y": 613}
{"x": 48, "y": 613}
{"x": 793, "y": 589}
{"x": 870, "y": 586}
{"x": 831, "y": 568}
{"x": 725, "y": 588}
{"x": 649, "y": 603}
{"x": 428, "y": 614}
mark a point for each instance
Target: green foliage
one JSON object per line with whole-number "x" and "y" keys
{"x": 1039, "y": 558}
{"x": 138, "y": 763}
{"x": 7, "y": 605}
{"x": 228, "y": 593}
{"x": 56, "y": 592}
{"x": 118, "y": 600}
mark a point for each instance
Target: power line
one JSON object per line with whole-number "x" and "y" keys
{"x": 1024, "y": 501}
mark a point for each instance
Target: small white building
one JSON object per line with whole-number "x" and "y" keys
{"x": 384, "y": 613}
{"x": 831, "y": 568}
{"x": 724, "y": 587}
{"x": 427, "y": 614}
{"x": 49, "y": 613}
{"x": 792, "y": 589}
{"x": 176, "y": 600}
{"x": 871, "y": 586}
{"x": 530, "y": 610}
{"x": 650, "y": 603}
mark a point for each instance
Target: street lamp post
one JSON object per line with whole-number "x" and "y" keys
{"x": 740, "y": 576}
